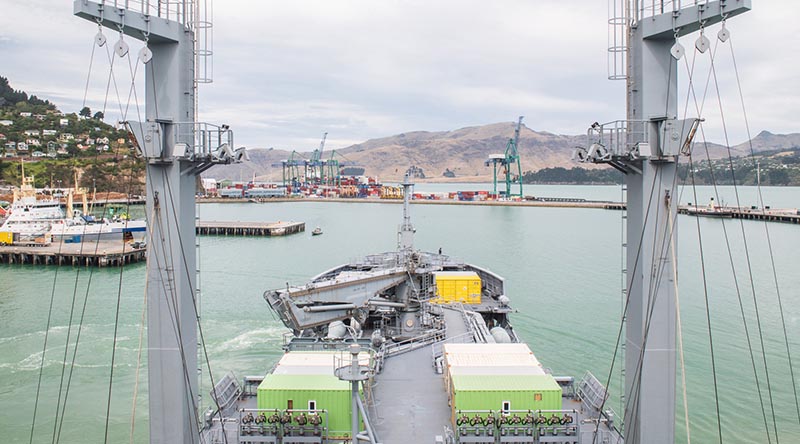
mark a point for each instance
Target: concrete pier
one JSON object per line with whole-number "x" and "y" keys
{"x": 249, "y": 228}
{"x": 790, "y": 216}
{"x": 90, "y": 253}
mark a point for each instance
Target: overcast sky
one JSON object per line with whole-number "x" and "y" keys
{"x": 287, "y": 71}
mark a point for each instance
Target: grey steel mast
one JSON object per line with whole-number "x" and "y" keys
{"x": 646, "y": 147}
{"x": 176, "y": 149}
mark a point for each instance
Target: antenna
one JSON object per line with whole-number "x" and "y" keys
{"x": 405, "y": 235}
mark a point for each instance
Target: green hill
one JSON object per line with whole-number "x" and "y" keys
{"x": 55, "y": 145}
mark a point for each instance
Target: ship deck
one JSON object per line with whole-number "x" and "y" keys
{"x": 410, "y": 400}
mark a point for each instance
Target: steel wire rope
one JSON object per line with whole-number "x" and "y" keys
{"x": 55, "y": 280}
{"x": 705, "y": 297}
{"x": 171, "y": 298}
{"x": 624, "y": 312}
{"x": 164, "y": 280}
{"x": 680, "y": 331}
{"x": 142, "y": 321}
{"x": 194, "y": 302}
{"x": 746, "y": 249}
{"x": 61, "y": 389}
{"x": 173, "y": 295}
{"x": 699, "y": 107}
{"x": 174, "y": 308}
{"x": 197, "y": 316}
{"x": 121, "y": 267}
{"x": 59, "y": 422}
{"x": 766, "y": 229}
{"x": 690, "y": 93}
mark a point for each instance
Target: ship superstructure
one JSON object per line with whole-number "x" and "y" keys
{"x": 436, "y": 355}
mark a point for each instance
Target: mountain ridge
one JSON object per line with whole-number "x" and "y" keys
{"x": 463, "y": 151}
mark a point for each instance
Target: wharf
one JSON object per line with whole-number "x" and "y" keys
{"x": 102, "y": 253}
{"x": 249, "y": 228}
{"x": 791, "y": 216}
{"x": 539, "y": 202}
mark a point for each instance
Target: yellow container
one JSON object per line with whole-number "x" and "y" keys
{"x": 6, "y": 238}
{"x": 457, "y": 286}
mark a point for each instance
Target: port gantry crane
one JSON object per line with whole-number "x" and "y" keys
{"x": 316, "y": 164}
{"x": 333, "y": 169}
{"x": 507, "y": 161}
{"x": 291, "y": 168}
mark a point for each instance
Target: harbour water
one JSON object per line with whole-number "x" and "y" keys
{"x": 562, "y": 268}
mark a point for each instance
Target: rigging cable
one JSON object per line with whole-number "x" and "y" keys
{"x": 708, "y": 306}
{"x": 680, "y": 331}
{"x": 746, "y": 250}
{"x": 167, "y": 289}
{"x": 115, "y": 162}
{"x": 55, "y": 278}
{"x": 766, "y": 230}
{"x": 215, "y": 396}
{"x": 59, "y": 407}
{"x": 170, "y": 291}
{"x": 699, "y": 108}
{"x": 625, "y": 311}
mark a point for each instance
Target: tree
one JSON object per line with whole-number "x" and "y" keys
{"x": 99, "y": 115}
{"x": 86, "y": 112}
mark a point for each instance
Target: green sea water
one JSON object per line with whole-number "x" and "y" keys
{"x": 562, "y": 270}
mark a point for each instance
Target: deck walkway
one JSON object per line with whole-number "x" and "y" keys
{"x": 410, "y": 390}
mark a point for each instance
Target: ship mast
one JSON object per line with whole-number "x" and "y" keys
{"x": 176, "y": 149}
{"x": 645, "y": 147}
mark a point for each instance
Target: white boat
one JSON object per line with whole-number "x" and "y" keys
{"x": 30, "y": 216}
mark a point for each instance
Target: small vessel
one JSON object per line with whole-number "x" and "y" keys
{"x": 317, "y": 231}
{"x": 28, "y": 215}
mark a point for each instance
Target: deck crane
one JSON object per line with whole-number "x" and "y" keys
{"x": 316, "y": 164}
{"x": 507, "y": 161}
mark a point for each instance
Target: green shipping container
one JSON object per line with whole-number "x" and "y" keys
{"x": 490, "y": 392}
{"x": 293, "y": 392}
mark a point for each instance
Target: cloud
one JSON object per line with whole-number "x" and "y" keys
{"x": 285, "y": 72}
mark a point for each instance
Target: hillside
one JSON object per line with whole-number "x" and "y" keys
{"x": 55, "y": 145}
{"x": 464, "y": 151}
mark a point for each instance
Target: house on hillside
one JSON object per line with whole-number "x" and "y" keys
{"x": 39, "y": 116}
{"x": 51, "y": 146}
{"x": 10, "y": 153}
{"x": 49, "y": 132}
{"x": 63, "y": 122}
{"x": 62, "y": 151}
{"x": 25, "y": 114}
{"x": 11, "y": 146}
{"x": 22, "y": 146}
{"x": 66, "y": 137}
{"x": 33, "y": 142}
{"x": 3, "y": 136}
{"x": 102, "y": 140}
{"x": 37, "y": 154}
{"x": 31, "y": 132}
{"x": 6, "y": 122}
